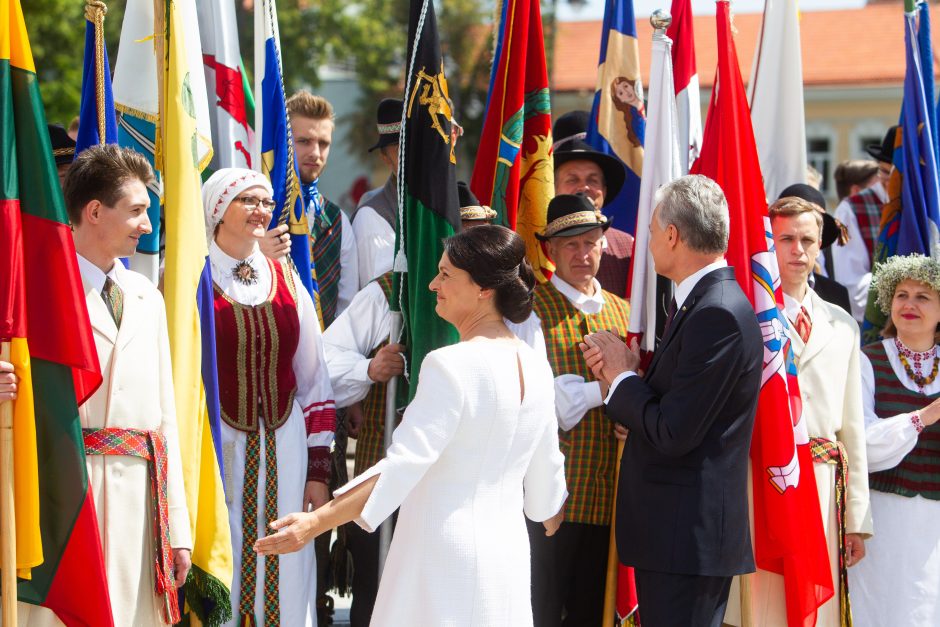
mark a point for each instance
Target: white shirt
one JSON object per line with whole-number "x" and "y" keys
{"x": 375, "y": 239}
{"x": 851, "y": 263}
{"x": 93, "y": 274}
{"x": 888, "y": 440}
{"x": 348, "y": 265}
{"x": 681, "y": 293}
{"x": 791, "y": 306}
{"x": 360, "y": 329}
{"x": 574, "y": 396}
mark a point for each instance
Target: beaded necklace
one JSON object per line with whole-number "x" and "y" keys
{"x": 907, "y": 356}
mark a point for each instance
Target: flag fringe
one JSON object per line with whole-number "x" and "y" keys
{"x": 207, "y": 598}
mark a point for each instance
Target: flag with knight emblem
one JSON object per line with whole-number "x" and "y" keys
{"x": 427, "y": 183}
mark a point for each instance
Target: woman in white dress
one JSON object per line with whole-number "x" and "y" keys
{"x": 477, "y": 449}
{"x": 277, "y": 408}
{"x": 897, "y": 584}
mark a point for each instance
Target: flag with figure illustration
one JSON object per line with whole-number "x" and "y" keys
{"x": 185, "y": 150}
{"x": 618, "y": 120}
{"x": 277, "y": 153}
{"x": 97, "y": 121}
{"x": 225, "y": 82}
{"x": 427, "y": 190}
{"x": 910, "y": 221}
{"x": 788, "y": 533}
{"x": 688, "y": 104}
{"x": 513, "y": 170}
{"x": 44, "y": 320}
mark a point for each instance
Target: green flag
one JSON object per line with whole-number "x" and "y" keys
{"x": 428, "y": 189}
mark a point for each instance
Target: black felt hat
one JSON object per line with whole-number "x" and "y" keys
{"x": 569, "y": 132}
{"x": 885, "y": 151}
{"x": 470, "y": 207}
{"x": 388, "y": 122}
{"x": 831, "y": 228}
{"x": 571, "y": 214}
{"x": 63, "y": 146}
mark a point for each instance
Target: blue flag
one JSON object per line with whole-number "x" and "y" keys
{"x": 96, "y": 118}
{"x": 919, "y": 229}
{"x": 618, "y": 121}
{"x": 925, "y": 50}
{"x": 277, "y": 154}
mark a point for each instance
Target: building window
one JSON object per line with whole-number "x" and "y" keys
{"x": 819, "y": 155}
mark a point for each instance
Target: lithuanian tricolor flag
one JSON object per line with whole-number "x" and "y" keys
{"x": 43, "y": 315}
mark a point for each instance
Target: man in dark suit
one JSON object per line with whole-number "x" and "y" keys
{"x": 682, "y": 514}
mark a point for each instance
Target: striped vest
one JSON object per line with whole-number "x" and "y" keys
{"x": 326, "y": 237}
{"x": 919, "y": 471}
{"x": 370, "y": 447}
{"x": 866, "y": 205}
{"x": 590, "y": 448}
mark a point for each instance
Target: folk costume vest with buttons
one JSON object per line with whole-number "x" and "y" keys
{"x": 866, "y": 205}
{"x": 256, "y": 375}
{"x": 590, "y": 448}
{"x": 370, "y": 447}
{"x": 919, "y": 471}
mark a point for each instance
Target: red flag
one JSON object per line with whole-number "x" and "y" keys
{"x": 788, "y": 531}
{"x": 686, "y": 80}
{"x": 514, "y": 170}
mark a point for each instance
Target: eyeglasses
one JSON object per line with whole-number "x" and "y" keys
{"x": 250, "y": 203}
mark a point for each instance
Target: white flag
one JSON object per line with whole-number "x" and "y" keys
{"x": 228, "y": 110}
{"x": 661, "y": 165}
{"x": 775, "y": 93}
{"x": 685, "y": 75}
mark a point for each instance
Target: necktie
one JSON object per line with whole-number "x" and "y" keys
{"x": 670, "y": 315}
{"x": 113, "y": 297}
{"x": 804, "y": 326}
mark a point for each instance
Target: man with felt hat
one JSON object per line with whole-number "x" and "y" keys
{"x": 861, "y": 215}
{"x": 569, "y": 568}
{"x": 599, "y": 176}
{"x": 63, "y": 149}
{"x": 375, "y": 218}
{"x": 472, "y": 213}
{"x": 832, "y": 233}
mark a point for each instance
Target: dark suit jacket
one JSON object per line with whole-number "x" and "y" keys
{"x": 682, "y": 501}
{"x": 832, "y": 292}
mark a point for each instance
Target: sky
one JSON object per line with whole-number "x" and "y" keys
{"x": 594, "y": 9}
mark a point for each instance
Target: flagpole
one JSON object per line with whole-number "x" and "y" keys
{"x": 391, "y": 415}
{"x": 257, "y": 75}
{"x": 7, "y": 512}
{"x": 610, "y": 584}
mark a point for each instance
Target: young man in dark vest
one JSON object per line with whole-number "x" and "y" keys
{"x": 332, "y": 241}
{"x": 569, "y": 568}
{"x": 375, "y": 218}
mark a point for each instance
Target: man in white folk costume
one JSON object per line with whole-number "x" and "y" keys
{"x": 825, "y": 341}
{"x": 129, "y": 423}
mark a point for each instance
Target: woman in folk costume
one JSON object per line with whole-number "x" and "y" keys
{"x": 278, "y": 414}
{"x": 481, "y": 428}
{"x": 897, "y": 583}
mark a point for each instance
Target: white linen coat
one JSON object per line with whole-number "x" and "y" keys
{"x": 468, "y": 460}
{"x": 828, "y": 370}
{"x": 136, "y": 393}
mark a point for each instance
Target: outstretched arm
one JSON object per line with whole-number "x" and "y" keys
{"x": 295, "y": 530}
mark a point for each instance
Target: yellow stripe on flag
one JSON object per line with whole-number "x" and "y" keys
{"x": 186, "y": 251}
{"x": 16, "y": 46}
{"x": 25, "y": 464}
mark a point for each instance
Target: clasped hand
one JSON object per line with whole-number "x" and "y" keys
{"x": 607, "y": 356}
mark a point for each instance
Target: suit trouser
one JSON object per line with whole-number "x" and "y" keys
{"x": 671, "y": 600}
{"x": 569, "y": 570}
{"x": 364, "y": 548}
